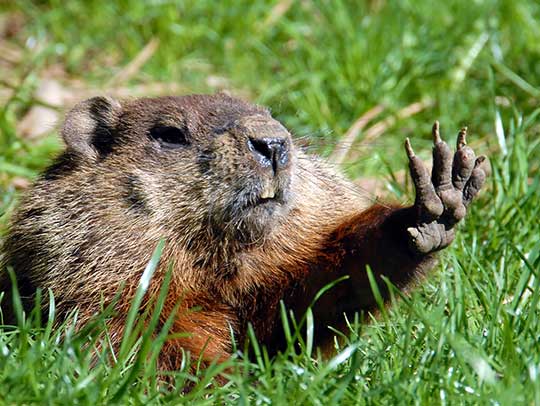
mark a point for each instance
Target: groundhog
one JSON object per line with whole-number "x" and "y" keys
{"x": 249, "y": 220}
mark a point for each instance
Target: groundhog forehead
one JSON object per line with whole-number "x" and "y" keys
{"x": 199, "y": 112}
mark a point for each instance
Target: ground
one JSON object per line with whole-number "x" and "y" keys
{"x": 351, "y": 80}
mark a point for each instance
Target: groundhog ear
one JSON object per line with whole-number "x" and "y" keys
{"x": 90, "y": 126}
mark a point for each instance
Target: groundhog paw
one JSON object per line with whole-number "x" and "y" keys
{"x": 442, "y": 199}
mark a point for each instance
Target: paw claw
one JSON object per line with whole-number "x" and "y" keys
{"x": 435, "y": 132}
{"x": 462, "y": 138}
{"x": 408, "y": 148}
{"x": 479, "y": 161}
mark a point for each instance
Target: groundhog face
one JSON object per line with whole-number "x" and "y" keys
{"x": 210, "y": 163}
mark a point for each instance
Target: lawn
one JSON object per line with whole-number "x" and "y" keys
{"x": 468, "y": 334}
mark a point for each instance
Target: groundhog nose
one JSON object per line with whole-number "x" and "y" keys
{"x": 270, "y": 151}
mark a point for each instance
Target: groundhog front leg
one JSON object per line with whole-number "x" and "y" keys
{"x": 397, "y": 242}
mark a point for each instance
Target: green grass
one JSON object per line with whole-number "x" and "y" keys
{"x": 468, "y": 335}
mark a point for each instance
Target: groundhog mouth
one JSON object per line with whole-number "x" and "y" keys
{"x": 268, "y": 194}
{"x": 265, "y": 201}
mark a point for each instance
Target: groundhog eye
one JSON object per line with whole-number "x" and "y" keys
{"x": 170, "y": 137}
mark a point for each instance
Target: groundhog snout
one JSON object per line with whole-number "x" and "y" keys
{"x": 270, "y": 152}
{"x": 268, "y": 142}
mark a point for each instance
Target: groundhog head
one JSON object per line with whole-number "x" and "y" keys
{"x": 214, "y": 164}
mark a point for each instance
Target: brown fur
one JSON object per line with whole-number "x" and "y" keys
{"x": 93, "y": 219}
